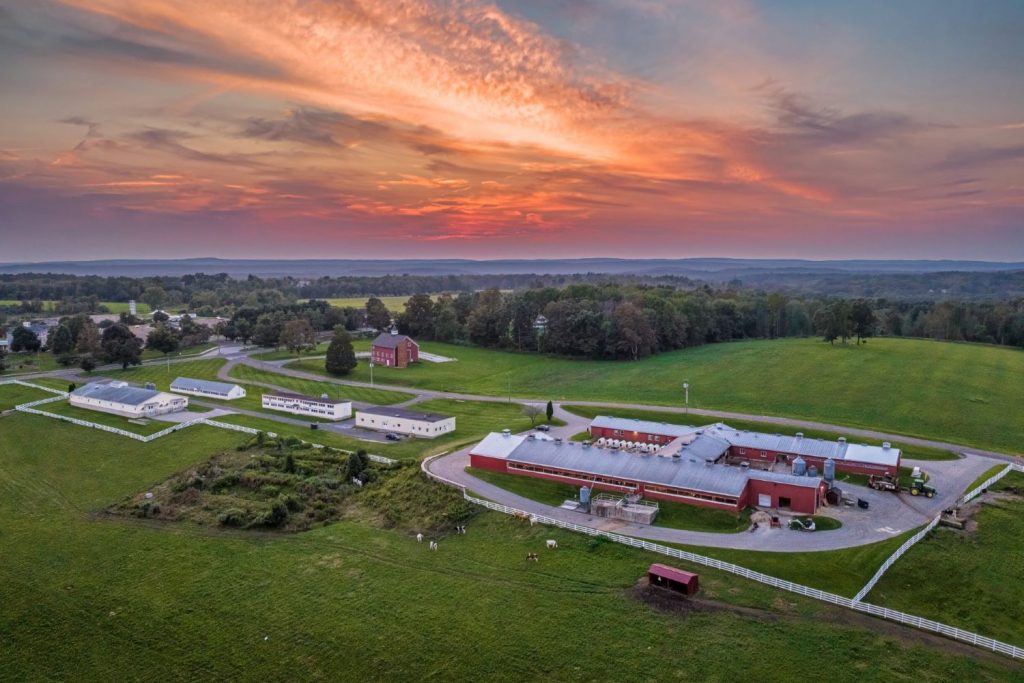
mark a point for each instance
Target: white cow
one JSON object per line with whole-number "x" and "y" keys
{"x": 552, "y": 543}
{"x": 533, "y": 519}
{"x": 419, "y": 538}
{"x": 433, "y": 545}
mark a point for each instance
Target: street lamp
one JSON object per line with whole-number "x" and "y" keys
{"x": 371, "y": 374}
{"x": 686, "y": 389}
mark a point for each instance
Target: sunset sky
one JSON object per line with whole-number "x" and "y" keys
{"x": 540, "y": 128}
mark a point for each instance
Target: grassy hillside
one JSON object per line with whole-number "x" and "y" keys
{"x": 88, "y": 598}
{"x": 959, "y": 392}
{"x": 973, "y": 580}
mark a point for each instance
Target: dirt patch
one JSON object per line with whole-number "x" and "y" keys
{"x": 968, "y": 513}
{"x": 666, "y": 600}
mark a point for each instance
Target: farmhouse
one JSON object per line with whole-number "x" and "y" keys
{"x": 757, "y": 447}
{"x": 394, "y": 350}
{"x": 693, "y": 474}
{"x": 409, "y": 422}
{"x": 202, "y": 387}
{"x": 118, "y": 398}
{"x": 324, "y": 407}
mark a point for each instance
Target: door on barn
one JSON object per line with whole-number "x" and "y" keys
{"x": 764, "y": 500}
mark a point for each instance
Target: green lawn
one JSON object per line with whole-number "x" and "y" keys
{"x": 114, "y": 306}
{"x": 309, "y": 387}
{"x": 68, "y": 410}
{"x": 672, "y": 515}
{"x": 990, "y": 472}
{"x": 153, "y": 354}
{"x": 910, "y": 451}
{"x": 473, "y": 421}
{"x": 395, "y": 304}
{"x": 971, "y": 580}
{"x": 965, "y": 393}
{"x": 284, "y": 354}
{"x": 87, "y": 598}
{"x": 15, "y": 394}
{"x": 18, "y": 363}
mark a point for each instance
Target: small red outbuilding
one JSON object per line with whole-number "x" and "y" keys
{"x": 674, "y": 579}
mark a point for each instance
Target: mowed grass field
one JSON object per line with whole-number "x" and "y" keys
{"x": 963, "y": 393}
{"x": 395, "y": 304}
{"x": 14, "y": 394}
{"x": 973, "y": 580}
{"x": 89, "y": 598}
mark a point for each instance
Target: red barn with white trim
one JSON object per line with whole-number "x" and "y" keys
{"x": 394, "y": 350}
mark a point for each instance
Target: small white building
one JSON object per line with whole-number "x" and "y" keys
{"x": 324, "y": 407}
{"x": 201, "y": 387}
{"x": 118, "y": 398}
{"x": 408, "y": 422}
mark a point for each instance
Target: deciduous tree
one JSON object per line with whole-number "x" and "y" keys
{"x": 341, "y": 357}
{"x": 121, "y": 346}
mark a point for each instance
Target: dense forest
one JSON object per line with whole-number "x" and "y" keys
{"x": 586, "y": 316}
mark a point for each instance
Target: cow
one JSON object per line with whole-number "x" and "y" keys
{"x": 533, "y": 519}
{"x": 419, "y": 538}
{"x": 433, "y": 545}
{"x": 532, "y": 557}
{"x": 552, "y": 543}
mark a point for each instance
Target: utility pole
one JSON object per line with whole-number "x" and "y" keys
{"x": 371, "y": 374}
{"x": 686, "y": 390}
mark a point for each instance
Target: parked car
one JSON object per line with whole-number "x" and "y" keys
{"x": 543, "y": 428}
{"x": 391, "y": 436}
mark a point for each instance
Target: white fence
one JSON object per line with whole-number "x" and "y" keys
{"x": 969, "y": 496}
{"x": 824, "y": 596}
{"x": 35, "y": 386}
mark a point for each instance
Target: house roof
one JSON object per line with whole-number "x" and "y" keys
{"x": 302, "y": 397}
{"x": 404, "y": 414}
{"x": 191, "y": 384}
{"x": 117, "y": 393}
{"x": 391, "y": 341}
{"x": 642, "y": 426}
{"x": 688, "y": 471}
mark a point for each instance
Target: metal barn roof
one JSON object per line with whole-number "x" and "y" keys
{"x": 384, "y": 411}
{"x": 119, "y": 393}
{"x": 191, "y": 384}
{"x": 498, "y": 445}
{"x": 390, "y": 341}
{"x": 642, "y": 426}
{"x": 800, "y": 445}
{"x": 684, "y": 472}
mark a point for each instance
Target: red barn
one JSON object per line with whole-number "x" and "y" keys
{"x": 394, "y": 350}
{"x": 673, "y": 579}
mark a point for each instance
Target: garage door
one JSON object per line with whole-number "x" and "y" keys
{"x": 764, "y": 500}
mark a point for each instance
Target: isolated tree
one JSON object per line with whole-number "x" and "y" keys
{"x": 377, "y": 314}
{"x": 163, "y": 339}
{"x": 550, "y": 411}
{"x": 341, "y": 357}
{"x": 862, "y": 316}
{"x": 119, "y": 345}
{"x": 62, "y": 341}
{"x": 87, "y": 363}
{"x": 88, "y": 339}
{"x": 298, "y": 335}
{"x": 155, "y": 296}
{"x": 532, "y": 411}
{"x": 357, "y": 464}
{"x": 24, "y": 339}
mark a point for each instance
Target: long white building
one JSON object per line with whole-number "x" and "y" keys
{"x": 408, "y": 422}
{"x": 325, "y": 408}
{"x": 117, "y": 398}
{"x": 201, "y": 387}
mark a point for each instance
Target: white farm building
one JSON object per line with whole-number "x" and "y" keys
{"x": 325, "y": 408}
{"x": 117, "y": 398}
{"x": 201, "y": 387}
{"x": 408, "y": 422}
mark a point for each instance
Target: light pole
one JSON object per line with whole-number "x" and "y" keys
{"x": 371, "y": 374}
{"x": 686, "y": 390}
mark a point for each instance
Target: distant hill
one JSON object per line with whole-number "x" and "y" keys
{"x": 708, "y": 269}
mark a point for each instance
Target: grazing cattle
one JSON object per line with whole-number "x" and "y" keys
{"x": 533, "y": 519}
{"x": 521, "y": 515}
{"x": 419, "y": 538}
{"x": 532, "y": 557}
{"x": 552, "y": 543}
{"x": 433, "y": 545}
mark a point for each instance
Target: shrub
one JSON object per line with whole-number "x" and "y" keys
{"x": 233, "y": 517}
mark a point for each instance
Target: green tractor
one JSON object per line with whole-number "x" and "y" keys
{"x": 919, "y": 488}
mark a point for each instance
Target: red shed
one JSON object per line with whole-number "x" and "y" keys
{"x": 673, "y": 579}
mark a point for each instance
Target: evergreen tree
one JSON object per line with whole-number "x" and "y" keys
{"x": 341, "y": 357}
{"x": 62, "y": 342}
{"x": 550, "y": 411}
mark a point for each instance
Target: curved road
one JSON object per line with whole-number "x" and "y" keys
{"x": 898, "y": 512}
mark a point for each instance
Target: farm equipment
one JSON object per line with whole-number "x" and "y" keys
{"x": 863, "y": 504}
{"x": 884, "y": 483}
{"x": 798, "y": 524}
{"x": 919, "y": 488}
